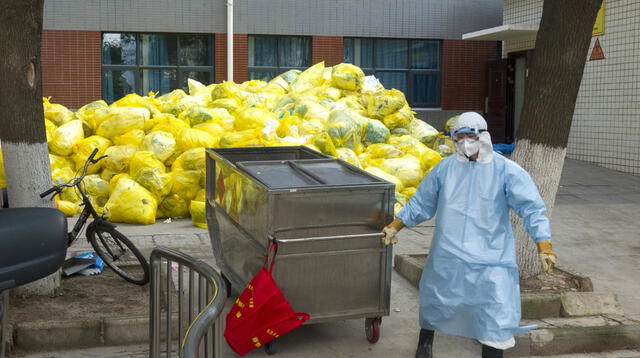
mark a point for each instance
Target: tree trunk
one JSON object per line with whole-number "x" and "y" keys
{"x": 560, "y": 54}
{"x": 22, "y": 131}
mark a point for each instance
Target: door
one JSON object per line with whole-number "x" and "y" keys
{"x": 499, "y": 100}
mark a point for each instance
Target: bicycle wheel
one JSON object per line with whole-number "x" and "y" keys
{"x": 120, "y": 254}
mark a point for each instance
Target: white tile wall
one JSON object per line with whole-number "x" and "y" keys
{"x": 606, "y": 123}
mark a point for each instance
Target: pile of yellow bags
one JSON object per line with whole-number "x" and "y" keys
{"x": 156, "y": 145}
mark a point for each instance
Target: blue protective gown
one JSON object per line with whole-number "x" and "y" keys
{"x": 470, "y": 285}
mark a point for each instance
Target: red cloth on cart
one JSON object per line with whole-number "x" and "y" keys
{"x": 261, "y": 313}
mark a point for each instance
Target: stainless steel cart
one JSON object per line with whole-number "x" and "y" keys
{"x": 326, "y": 217}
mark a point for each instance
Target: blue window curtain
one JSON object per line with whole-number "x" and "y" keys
{"x": 270, "y": 56}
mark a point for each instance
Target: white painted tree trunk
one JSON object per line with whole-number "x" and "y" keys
{"x": 544, "y": 164}
{"x": 28, "y": 174}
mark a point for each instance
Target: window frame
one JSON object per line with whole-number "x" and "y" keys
{"x": 138, "y": 67}
{"x": 278, "y": 69}
{"x": 411, "y": 72}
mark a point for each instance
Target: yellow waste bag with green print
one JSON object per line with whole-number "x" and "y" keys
{"x": 65, "y": 137}
{"x": 131, "y": 203}
{"x": 197, "y": 209}
{"x": 347, "y": 76}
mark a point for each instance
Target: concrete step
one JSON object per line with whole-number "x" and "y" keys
{"x": 535, "y": 305}
{"x": 578, "y": 335}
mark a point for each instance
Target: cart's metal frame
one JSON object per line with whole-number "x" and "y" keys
{"x": 331, "y": 262}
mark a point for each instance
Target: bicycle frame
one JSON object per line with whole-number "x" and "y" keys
{"x": 84, "y": 215}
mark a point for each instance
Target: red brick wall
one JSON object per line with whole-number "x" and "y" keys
{"x": 464, "y": 72}
{"x": 71, "y": 67}
{"x": 328, "y": 49}
{"x": 240, "y": 57}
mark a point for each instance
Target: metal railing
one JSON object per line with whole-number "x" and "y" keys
{"x": 199, "y": 294}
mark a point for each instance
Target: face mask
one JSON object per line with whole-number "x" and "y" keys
{"x": 468, "y": 146}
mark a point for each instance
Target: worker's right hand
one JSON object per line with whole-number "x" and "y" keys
{"x": 389, "y": 236}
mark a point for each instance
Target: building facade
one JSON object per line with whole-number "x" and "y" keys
{"x": 606, "y": 122}
{"x": 95, "y": 49}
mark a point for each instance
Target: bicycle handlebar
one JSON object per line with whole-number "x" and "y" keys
{"x": 76, "y": 181}
{"x": 48, "y": 192}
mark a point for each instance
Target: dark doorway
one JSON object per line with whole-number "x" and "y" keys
{"x": 499, "y": 103}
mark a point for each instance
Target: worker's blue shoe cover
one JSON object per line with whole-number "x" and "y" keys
{"x": 425, "y": 344}
{"x": 490, "y": 352}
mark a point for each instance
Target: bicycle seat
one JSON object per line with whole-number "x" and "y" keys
{"x": 33, "y": 244}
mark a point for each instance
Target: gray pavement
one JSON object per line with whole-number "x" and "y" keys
{"x": 596, "y": 228}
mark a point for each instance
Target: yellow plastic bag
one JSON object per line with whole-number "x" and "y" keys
{"x": 173, "y": 207}
{"x": 423, "y": 132}
{"x": 375, "y": 132}
{"x": 247, "y": 138}
{"x": 58, "y": 162}
{"x": 197, "y": 209}
{"x": 57, "y": 113}
{"x": 197, "y": 115}
{"x": 450, "y": 124}
{"x": 156, "y": 181}
{"x": 94, "y": 186}
{"x": 429, "y": 159}
{"x": 192, "y": 159}
{"x": 134, "y": 138}
{"x": 230, "y": 104}
{"x": 194, "y": 138}
{"x": 384, "y": 103}
{"x": 118, "y": 157}
{"x": 116, "y": 121}
{"x": 386, "y": 176}
{"x": 131, "y": 203}
{"x": 408, "y": 192}
{"x": 324, "y": 143}
{"x": 65, "y": 137}
{"x": 309, "y": 78}
{"x": 444, "y": 146}
{"x": 254, "y": 117}
{"x": 68, "y": 208}
{"x": 185, "y": 184}
{"x": 347, "y": 76}
{"x": 344, "y": 131}
{"x": 83, "y": 149}
{"x": 144, "y": 159}
{"x": 348, "y": 156}
{"x": 170, "y": 124}
{"x": 50, "y": 128}
{"x": 114, "y": 181}
{"x": 160, "y": 143}
{"x": 406, "y": 168}
{"x": 399, "y": 119}
{"x": 201, "y": 196}
{"x": 64, "y": 176}
{"x": 108, "y": 174}
{"x": 87, "y": 112}
{"x": 310, "y": 127}
{"x": 214, "y": 129}
{"x": 409, "y": 145}
{"x": 135, "y": 100}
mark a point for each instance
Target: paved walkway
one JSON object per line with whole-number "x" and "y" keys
{"x": 596, "y": 227}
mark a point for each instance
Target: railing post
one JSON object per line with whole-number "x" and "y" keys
{"x": 154, "y": 311}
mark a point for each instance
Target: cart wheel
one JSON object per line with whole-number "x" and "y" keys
{"x": 270, "y": 348}
{"x": 227, "y": 283}
{"x": 372, "y": 329}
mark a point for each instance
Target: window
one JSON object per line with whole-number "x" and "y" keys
{"x": 270, "y": 56}
{"x": 153, "y": 62}
{"x": 411, "y": 66}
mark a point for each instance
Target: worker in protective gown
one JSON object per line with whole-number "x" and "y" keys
{"x": 470, "y": 284}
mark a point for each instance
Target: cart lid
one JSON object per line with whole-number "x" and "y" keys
{"x": 288, "y": 174}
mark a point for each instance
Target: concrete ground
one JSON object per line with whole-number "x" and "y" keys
{"x": 596, "y": 226}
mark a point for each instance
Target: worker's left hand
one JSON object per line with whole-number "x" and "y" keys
{"x": 547, "y": 256}
{"x": 389, "y": 236}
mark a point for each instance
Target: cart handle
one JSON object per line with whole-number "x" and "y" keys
{"x": 325, "y": 238}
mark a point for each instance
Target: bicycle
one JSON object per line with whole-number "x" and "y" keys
{"x": 111, "y": 245}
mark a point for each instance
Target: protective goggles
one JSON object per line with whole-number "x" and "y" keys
{"x": 467, "y": 132}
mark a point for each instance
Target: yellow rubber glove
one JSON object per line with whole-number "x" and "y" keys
{"x": 389, "y": 236}
{"x": 547, "y": 256}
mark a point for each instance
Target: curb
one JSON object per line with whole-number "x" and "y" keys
{"x": 60, "y": 335}
{"x": 534, "y": 305}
